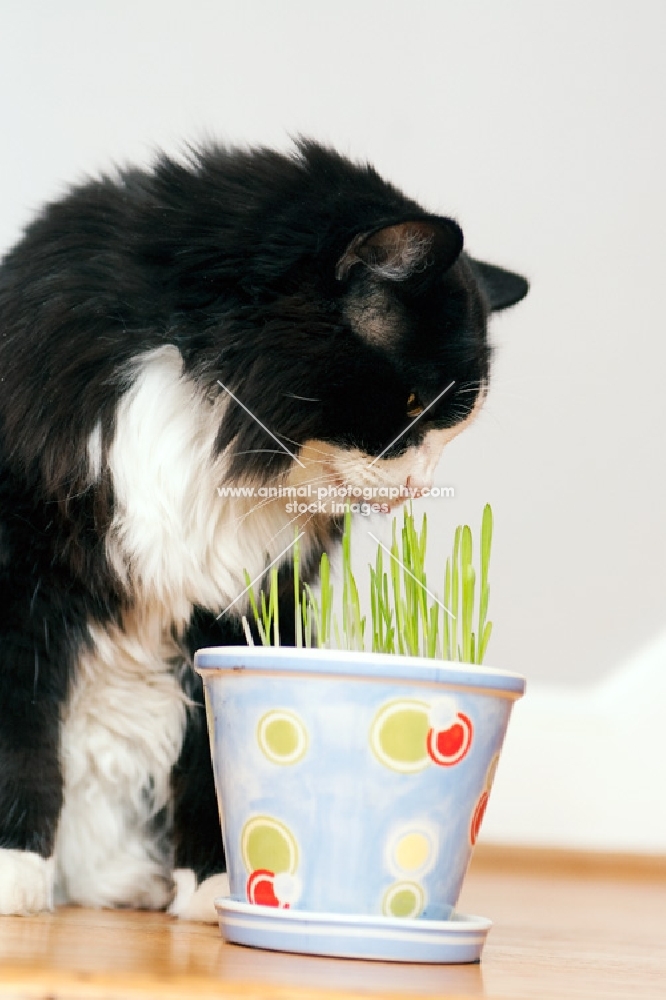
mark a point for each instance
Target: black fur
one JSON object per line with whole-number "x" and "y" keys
{"x": 257, "y": 266}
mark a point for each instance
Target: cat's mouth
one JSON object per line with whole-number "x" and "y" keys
{"x": 347, "y": 476}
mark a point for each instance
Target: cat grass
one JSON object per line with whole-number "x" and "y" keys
{"x": 406, "y": 615}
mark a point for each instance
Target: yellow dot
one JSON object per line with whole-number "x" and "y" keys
{"x": 412, "y": 852}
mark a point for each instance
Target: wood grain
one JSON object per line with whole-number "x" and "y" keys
{"x": 556, "y": 935}
{"x": 541, "y": 860}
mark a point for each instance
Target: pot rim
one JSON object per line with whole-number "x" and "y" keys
{"x": 351, "y": 664}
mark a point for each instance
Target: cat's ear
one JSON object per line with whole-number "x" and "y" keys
{"x": 396, "y": 252}
{"x": 502, "y": 288}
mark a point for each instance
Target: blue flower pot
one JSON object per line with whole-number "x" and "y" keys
{"x": 352, "y": 783}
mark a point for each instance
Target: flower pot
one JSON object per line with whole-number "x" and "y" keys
{"x": 351, "y": 783}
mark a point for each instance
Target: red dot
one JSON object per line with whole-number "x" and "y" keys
{"x": 477, "y": 818}
{"x": 450, "y": 741}
{"x": 449, "y": 746}
{"x": 260, "y": 888}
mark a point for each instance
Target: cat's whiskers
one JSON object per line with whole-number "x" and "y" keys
{"x": 301, "y": 444}
{"x": 356, "y": 475}
{"x": 305, "y": 399}
{"x": 260, "y": 451}
{"x": 288, "y": 524}
{"x": 342, "y": 471}
{"x": 472, "y": 388}
{"x": 268, "y": 500}
{"x": 370, "y": 479}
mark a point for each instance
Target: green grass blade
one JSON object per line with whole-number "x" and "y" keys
{"x": 314, "y": 610}
{"x": 397, "y": 592}
{"x": 326, "y": 592}
{"x": 455, "y": 576}
{"x": 446, "y": 622}
{"x": 431, "y": 648}
{"x": 483, "y": 642}
{"x": 266, "y": 617}
{"x": 374, "y": 610}
{"x": 275, "y": 606}
{"x": 298, "y": 621}
{"x": 255, "y": 611}
{"x": 468, "y": 579}
{"x": 306, "y": 618}
{"x": 484, "y": 588}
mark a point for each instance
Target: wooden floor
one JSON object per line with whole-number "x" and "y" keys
{"x": 563, "y": 930}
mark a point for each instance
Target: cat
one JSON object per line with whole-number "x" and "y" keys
{"x": 230, "y": 317}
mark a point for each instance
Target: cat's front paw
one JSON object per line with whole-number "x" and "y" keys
{"x": 196, "y": 902}
{"x": 26, "y": 882}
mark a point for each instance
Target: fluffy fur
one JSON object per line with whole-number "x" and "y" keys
{"x": 136, "y": 315}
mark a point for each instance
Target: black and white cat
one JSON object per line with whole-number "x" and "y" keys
{"x": 245, "y": 317}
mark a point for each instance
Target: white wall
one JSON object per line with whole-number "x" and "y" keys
{"x": 585, "y": 769}
{"x": 541, "y": 128}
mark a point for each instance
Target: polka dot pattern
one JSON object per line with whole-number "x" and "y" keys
{"x": 407, "y": 736}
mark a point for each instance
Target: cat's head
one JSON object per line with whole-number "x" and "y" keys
{"x": 373, "y": 351}
{"x": 421, "y": 306}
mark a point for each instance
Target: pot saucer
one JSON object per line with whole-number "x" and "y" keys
{"x": 342, "y": 935}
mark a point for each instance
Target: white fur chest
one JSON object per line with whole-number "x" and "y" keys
{"x": 121, "y": 734}
{"x": 173, "y": 539}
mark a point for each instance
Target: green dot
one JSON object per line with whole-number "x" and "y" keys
{"x": 402, "y": 736}
{"x": 267, "y": 843}
{"x": 403, "y": 903}
{"x": 282, "y": 737}
{"x": 404, "y": 899}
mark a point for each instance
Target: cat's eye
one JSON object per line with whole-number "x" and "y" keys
{"x": 414, "y": 405}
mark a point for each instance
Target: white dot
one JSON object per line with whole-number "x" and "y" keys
{"x": 287, "y": 888}
{"x": 442, "y": 714}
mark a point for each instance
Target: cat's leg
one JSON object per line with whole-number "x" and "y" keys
{"x": 122, "y": 730}
{"x": 26, "y": 882}
{"x": 200, "y": 865}
{"x": 30, "y": 777}
{"x": 200, "y": 873}
{"x": 200, "y": 868}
